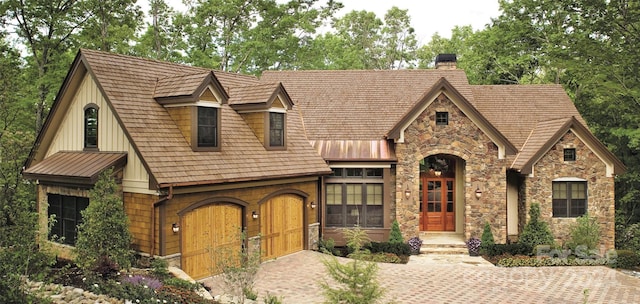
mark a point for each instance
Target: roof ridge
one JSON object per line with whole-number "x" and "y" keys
{"x": 131, "y": 57}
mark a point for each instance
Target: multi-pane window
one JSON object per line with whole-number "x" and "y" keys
{"x": 207, "y": 127}
{"x": 91, "y": 127}
{"x": 66, "y": 211}
{"x": 569, "y": 199}
{"x": 276, "y": 129}
{"x": 442, "y": 118}
{"x": 354, "y": 197}
{"x": 570, "y": 154}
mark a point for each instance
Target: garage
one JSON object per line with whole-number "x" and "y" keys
{"x": 206, "y": 232}
{"x": 281, "y": 226}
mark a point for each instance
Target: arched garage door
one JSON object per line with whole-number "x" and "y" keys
{"x": 281, "y": 226}
{"x": 206, "y": 232}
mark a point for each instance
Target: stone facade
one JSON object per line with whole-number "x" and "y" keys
{"x": 483, "y": 169}
{"x": 588, "y": 166}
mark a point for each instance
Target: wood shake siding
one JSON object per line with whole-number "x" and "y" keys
{"x": 257, "y": 122}
{"x": 251, "y": 195}
{"x": 138, "y": 208}
{"x": 182, "y": 118}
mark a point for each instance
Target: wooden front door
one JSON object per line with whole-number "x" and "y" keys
{"x": 437, "y": 209}
{"x": 208, "y": 233}
{"x": 281, "y": 226}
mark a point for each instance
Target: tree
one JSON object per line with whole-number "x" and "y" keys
{"x": 103, "y": 235}
{"x": 111, "y": 26}
{"x": 536, "y": 232}
{"x": 395, "y": 236}
{"x": 163, "y": 39}
{"x": 398, "y": 39}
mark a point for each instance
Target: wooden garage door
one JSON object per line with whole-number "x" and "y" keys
{"x": 281, "y": 226}
{"x": 207, "y": 233}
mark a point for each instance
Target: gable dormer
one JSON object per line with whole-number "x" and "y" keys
{"x": 194, "y": 103}
{"x": 264, "y": 108}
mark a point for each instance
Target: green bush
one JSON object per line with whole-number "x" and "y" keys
{"x": 487, "y": 238}
{"x": 159, "y": 268}
{"x": 395, "y": 236}
{"x": 626, "y": 259}
{"x": 511, "y": 249}
{"x": 328, "y": 246}
{"x": 630, "y": 238}
{"x": 585, "y": 232}
{"x": 536, "y": 232}
{"x": 103, "y": 235}
{"x": 527, "y": 261}
{"x": 399, "y": 249}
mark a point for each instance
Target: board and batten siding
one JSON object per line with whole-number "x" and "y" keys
{"x": 111, "y": 136}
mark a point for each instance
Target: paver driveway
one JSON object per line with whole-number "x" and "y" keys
{"x": 452, "y": 280}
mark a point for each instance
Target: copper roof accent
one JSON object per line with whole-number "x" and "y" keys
{"x": 355, "y": 150}
{"x": 128, "y": 84}
{"x": 81, "y": 168}
{"x": 359, "y": 104}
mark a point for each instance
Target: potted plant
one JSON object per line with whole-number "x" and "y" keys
{"x": 415, "y": 243}
{"x": 473, "y": 245}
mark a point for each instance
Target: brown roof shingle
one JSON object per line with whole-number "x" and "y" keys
{"x": 128, "y": 84}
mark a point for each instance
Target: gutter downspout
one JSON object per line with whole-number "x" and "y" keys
{"x": 153, "y": 218}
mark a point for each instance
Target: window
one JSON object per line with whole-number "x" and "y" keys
{"x": 569, "y": 199}
{"x": 354, "y": 196}
{"x": 66, "y": 210}
{"x": 442, "y": 118}
{"x": 91, "y": 127}
{"x": 276, "y": 129}
{"x": 207, "y": 127}
{"x": 570, "y": 154}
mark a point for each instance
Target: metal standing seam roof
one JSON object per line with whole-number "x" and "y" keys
{"x": 77, "y": 167}
{"x": 128, "y": 84}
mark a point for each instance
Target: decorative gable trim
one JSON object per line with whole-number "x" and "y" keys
{"x": 442, "y": 86}
{"x": 613, "y": 164}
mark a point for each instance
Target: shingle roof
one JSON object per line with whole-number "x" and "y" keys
{"x": 179, "y": 85}
{"x": 128, "y": 84}
{"x": 539, "y": 137}
{"x": 357, "y": 104}
{"x": 257, "y": 93}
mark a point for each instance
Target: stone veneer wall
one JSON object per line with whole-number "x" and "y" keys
{"x": 600, "y": 189}
{"x": 483, "y": 169}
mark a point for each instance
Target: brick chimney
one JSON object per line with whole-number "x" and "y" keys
{"x": 446, "y": 62}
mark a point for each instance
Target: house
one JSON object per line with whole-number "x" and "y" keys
{"x": 293, "y": 156}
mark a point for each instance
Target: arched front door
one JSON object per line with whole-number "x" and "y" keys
{"x": 437, "y": 194}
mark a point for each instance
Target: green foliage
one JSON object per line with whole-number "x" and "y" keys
{"x": 356, "y": 238}
{"x": 585, "y": 232}
{"x": 356, "y": 280}
{"x": 507, "y": 249}
{"x": 271, "y": 299}
{"x": 626, "y": 259}
{"x": 536, "y": 232}
{"x": 328, "y": 246}
{"x": 159, "y": 268}
{"x": 236, "y": 266}
{"x": 395, "y": 236}
{"x": 630, "y": 238}
{"x": 486, "y": 239}
{"x": 527, "y": 261}
{"x": 104, "y": 231}
{"x": 399, "y": 249}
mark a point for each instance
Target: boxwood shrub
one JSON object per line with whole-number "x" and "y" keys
{"x": 511, "y": 249}
{"x": 399, "y": 249}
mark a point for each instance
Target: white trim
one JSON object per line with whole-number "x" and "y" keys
{"x": 608, "y": 166}
{"x": 363, "y": 165}
{"x": 569, "y": 179}
{"x": 199, "y": 103}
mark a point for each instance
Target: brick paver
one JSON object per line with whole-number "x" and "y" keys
{"x": 450, "y": 280}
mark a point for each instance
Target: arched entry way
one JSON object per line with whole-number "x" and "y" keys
{"x": 440, "y": 200}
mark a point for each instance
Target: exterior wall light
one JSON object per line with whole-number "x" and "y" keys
{"x": 407, "y": 193}
{"x": 254, "y": 215}
{"x": 313, "y": 205}
{"x": 478, "y": 193}
{"x": 175, "y": 227}
{"x": 437, "y": 172}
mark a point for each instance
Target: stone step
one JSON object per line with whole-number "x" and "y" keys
{"x": 435, "y": 250}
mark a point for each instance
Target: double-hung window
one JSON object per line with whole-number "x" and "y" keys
{"x": 208, "y": 129}
{"x": 569, "y": 198}
{"x": 66, "y": 211}
{"x": 276, "y": 129}
{"x": 354, "y": 196}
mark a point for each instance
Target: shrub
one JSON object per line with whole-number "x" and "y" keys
{"x": 104, "y": 231}
{"x": 159, "y": 268}
{"x": 387, "y": 247}
{"x": 395, "y": 236}
{"x": 527, "y": 261}
{"x": 511, "y": 249}
{"x": 630, "y": 238}
{"x": 473, "y": 246}
{"x": 270, "y": 299}
{"x": 237, "y": 267}
{"x": 328, "y": 246}
{"x": 415, "y": 243}
{"x": 585, "y": 232}
{"x": 486, "y": 239}
{"x": 626, "y": 259}
{"x": 536, "y": 232}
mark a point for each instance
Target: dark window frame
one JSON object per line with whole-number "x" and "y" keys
{"x": 67, "y": 210}
{"x": 91, "y": 124}
{"x": 358, "y": 181}
{"x": 564, "y": 202}
{"x": 276, "y": 131}
{"x": 569, "y": 154}
{"x": 211, "y": 127}
{"x": 442, "y": 118}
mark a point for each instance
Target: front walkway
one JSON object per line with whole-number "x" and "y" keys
{"x": 452, "y": 279}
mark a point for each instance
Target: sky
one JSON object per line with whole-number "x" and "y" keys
{"x": 427, "y": 16}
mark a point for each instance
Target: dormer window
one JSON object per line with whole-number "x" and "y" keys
{"x": 207, "y": 130}
{"x": 276, "y": 129}
{"x": 91, "y": 127}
